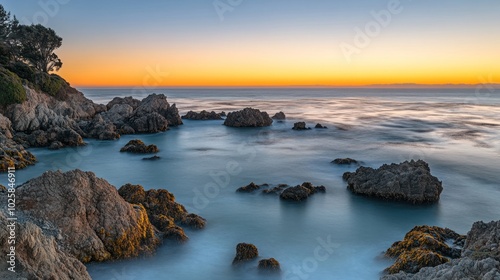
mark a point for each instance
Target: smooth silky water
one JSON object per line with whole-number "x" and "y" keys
{"x": 203, "y": 162}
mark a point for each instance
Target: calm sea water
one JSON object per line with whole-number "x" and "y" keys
{"x": 456, "y": 131}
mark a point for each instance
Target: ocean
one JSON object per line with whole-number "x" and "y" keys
{"x": 457, "y": 131}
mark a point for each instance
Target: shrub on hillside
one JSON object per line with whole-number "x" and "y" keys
{"x": 11, "y": 88}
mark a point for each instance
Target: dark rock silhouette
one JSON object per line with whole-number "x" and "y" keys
{"x": 248, "y": 117}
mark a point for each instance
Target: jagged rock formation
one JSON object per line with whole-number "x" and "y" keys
{"x": 302, "y": 192}
{"x": 138, "y": 147}
{"x": 479, "y": 256}
{"x": 249, "y": 188}
{"x": 248, "y": 117}
{"x": 165, "y": 214}
{"x": 424, "y": 246}
{"x": 95, "y": 223}
{"x": 318, "y": 125}
{"x": 38, "y": 255}
{"x": 245, "y": 252}
{"x": 203, "y": 116}
{"x": 11, "y": 153}
{"x": 409, "y": 181}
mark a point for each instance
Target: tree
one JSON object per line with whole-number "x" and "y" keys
{"x": 36, "y": 45}
{"x": 7, "y": 25}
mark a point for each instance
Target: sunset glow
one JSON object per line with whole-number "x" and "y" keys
{"x": 270, "y": 44}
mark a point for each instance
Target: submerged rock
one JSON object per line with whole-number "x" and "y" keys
{"x": 95, "y": 223}
{"x": 300, "y": 126}
{"x": 138, "y": 147}
{"x": 153, "y": 158}
{"x": 38, "y": 256}
{"x": 269, "y": 265}
{"x": 320, "y": 126}
{"x": 203, "y": 115}
{"x": 409, "y": 181}
{"x": 276, "y": 190}
{"x": 245, "y": 252}
{"x": 165, "y": 214}
{"x": 424, "y": 246}
{"x": 279, "y": 116}
{"x": 345, "y": 161}
{"x": 248, "y": 117}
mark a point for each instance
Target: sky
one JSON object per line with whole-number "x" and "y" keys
{"x": 271, "y": 42}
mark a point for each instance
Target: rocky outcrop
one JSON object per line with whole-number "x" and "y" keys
{"x": 302, "y": 192}
{"x": 248, "y": 117}
{"x": 249, "y": 188}
{"x": 464, "y": 268}
{"x": 129, "y": 101}
{"x": 245, "y": 252}
{"x": 318, "y": 125}
{"x": 269, "y": 265}
{"x": 38, "y": 255}
{"x": 483, "y": 241}
{"x": 409, "y": 181}
{"x": 94, "y": 222}
{"x": 279, "y": 116}
{"x": 300, "y": 126}
{"x": 165, "y": 214}
{"x": 345, "y": 161}
{"x": 202, "y": 116}
{"x": 138, "y": 147}
{"x": 424, "y": 246}
{"x": 11, "y": 153}
{"x": 276, "y": 190}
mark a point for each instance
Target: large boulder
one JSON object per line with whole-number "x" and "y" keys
{"x": 129, "y": 101}
{"x": 300, "y": 126}
{"x": 345, "y": 161}
{"x": 248, "y": 188}
{"x": 269, "y": 265}
{"x": 95, "y": 223}
{"x": 138, "y": 147}
{"x": 203, "y": 116}
{"x": 164, "y": 212}
{"x": 409, "y": 181}
{"x": 302, "y": 192}
{"x": 248, "y": 117}
{"x": 483, "y": 241}
{"x": 279, "y": 116}
{"x": 245, "y": 252}
{"x": 38, "y": 256}
{"x": 424, "y": 246}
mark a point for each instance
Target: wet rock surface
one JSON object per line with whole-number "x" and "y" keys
{"x": 410, "y": 181}
{"x": 269, "y": 265}
{"x": 248, "y": 117}
{"x": 138, "y": 147}
{"x": 279, "y": 116}
{"x": 245, "y": 252}
{"x": 203, "y": 115}
{"x": 300, "y": 126}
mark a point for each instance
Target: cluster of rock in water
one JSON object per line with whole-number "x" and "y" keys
{"x": 68, "y": 219}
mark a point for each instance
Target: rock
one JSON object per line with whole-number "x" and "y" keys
{"x": 269, "y": 265}
{"x": 302, "y": 192}
{"x": 138, "y": 147}
{"x": 345, "y": 161}
{"x": 249, "y": 188}
{"x": 38, "y": 255}
{"x": 5, "y": 127}
{"x": 424, "y": 246}
{"x": 99, "y": 128}
{"x": 162, "y": 210}
{"x": 320, "y": 126}
{"x": 409, "y": 181}
{"x": 96, "y": 224}
{"x": 248, "y": 117}
{"x": 12, "y": 155}
{"x": 157, "y": 103}
{"x": 300, "y": 126}
{"x": 3, "y": 189}
{"x": 464, "y": 268}
{"x": 56, "y": 145}
{"x": 279, "y": 116}
{"x": 203, "y": 115}
{"x": 129, "y": 101}
{"x": 276, "y": 190}
{"x": 245, "y": 252}
{"x": 483, "y": 241}
{"x": 222, "y": 114}
{"x": 153, "y": 158}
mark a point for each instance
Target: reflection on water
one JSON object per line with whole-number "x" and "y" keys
{"x": 460, "y": 141}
